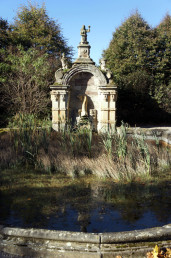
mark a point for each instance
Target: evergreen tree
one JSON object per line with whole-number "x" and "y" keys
{"x": 140, "y": 61}
{"x": 130, "y": 52}
{"x": 4, "y": 66}
{"x": 34, "y": 28}
{"x": 4, "y": 44}
{"x": 163, "y": 67}
{"x": 4, "y": 38}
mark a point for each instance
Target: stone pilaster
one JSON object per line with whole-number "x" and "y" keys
{"x": 60, "y": 104}
{"x": 107, "y": 108}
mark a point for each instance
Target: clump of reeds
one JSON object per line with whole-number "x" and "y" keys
{"x": 132, "y": 157}
{"x": 78, "y": 151}
{"x": 28, "y": 135}
{"x": 77, "y": 141}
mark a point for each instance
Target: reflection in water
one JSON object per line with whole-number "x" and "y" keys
{"x": 107, "y": 207}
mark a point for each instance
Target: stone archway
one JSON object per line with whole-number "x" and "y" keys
{"x": 99, "y": 77}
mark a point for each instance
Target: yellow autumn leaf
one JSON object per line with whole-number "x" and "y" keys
{"x": 156, "y": 251}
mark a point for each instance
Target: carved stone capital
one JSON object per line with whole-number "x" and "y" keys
{"x": 113, "y": 97}
{"x": 56, "y": 97}
{"x": 63, "y": 97}
{"x": 105, "y": 96}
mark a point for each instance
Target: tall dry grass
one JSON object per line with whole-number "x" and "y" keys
{"x": 80, "y": 152}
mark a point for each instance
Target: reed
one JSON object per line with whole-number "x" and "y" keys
{"x": 107, "y": 139}
{"x": 75, "y": 151}
{"x": 121, "y": 141}
{"x": 144, "y": 152}
{"x": 28, "y": 137}
{"x": 77, "y": 140}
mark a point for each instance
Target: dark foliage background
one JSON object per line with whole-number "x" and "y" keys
{"x": 140, "y": 58}
{"x": 30, "y": 51}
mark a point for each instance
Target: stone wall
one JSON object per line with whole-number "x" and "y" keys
{"x": 161, "y": 134}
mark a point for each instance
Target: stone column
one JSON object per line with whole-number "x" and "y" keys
{"x": 103, "y": 111}
{"x": 107, "y": 108}
{"x": 112, "y": 108}
{"x": 60, "y": 104}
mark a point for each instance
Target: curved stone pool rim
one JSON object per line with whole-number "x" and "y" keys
{"x": 52, "y": 243}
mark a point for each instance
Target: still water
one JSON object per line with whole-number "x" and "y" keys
{"x": 87, "y": 207}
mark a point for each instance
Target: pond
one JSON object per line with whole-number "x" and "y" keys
{"x": 87, "y": 205}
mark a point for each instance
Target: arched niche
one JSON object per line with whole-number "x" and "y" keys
{"x": 82, "y": 84}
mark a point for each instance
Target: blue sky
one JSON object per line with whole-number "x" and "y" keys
{"x": 104, "y": 16}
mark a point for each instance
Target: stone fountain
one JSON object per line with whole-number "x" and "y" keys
{"x": 83, "y": 91}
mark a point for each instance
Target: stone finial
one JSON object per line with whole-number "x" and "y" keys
{"x": 58, "y": 76}
{"x": 103, "y": 64}
{"x": 106, "y": 70}
{"x": 64, "y": 61}
{"x": 83, "y": 34}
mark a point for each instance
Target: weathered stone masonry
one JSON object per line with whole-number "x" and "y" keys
{"x": 83, "y": 91}
{"x": 65, "y": 244}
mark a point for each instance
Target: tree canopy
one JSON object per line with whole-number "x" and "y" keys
{"x": 4, "y": 44}
{"x": 139, "y": 57}
{"x": 30, "y": 51}
{"x": 34, "y": 28}
{"x": 163, "y": 64}
{"x": 130, "y": 51}
{"x": 26, "y": 90}
{"x": 4, "y": 37}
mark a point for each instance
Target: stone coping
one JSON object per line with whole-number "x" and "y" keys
{"x": 52, "y": 243}
{"x": 144, "y": 235}
{"x": 163, "y": 134}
